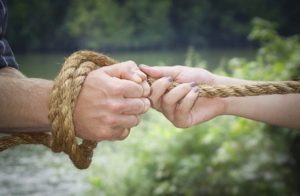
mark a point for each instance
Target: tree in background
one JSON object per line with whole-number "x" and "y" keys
{"x": 116, "y": 24}
{"x": 52, "y": 25}
{"x": 35, "y": 25}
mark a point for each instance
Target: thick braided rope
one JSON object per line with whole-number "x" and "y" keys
{"x": 67, "y": 87}
{"x": 260, "y": 88}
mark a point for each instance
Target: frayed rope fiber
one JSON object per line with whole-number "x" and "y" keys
{"x": 67, "y": 86}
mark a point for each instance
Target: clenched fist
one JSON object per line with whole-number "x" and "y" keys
{"x": 111, "y": 102}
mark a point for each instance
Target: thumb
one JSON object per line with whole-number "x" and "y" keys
{"x": 125, "y": 70}
{"x": 159, "y": 72}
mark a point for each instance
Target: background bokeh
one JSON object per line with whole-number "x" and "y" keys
{"x": 54, "y": 25}
{"x": 250, "y": 39}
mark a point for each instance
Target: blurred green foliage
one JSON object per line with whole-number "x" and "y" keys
{"x": 55, "y": 25}
{"x": 226, "y": 156}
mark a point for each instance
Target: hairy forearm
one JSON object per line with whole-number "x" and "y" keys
{"x": 23, "y": 102}
{"x": 282, "y": 110}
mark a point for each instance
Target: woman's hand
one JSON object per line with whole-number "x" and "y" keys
{"x": 181, "y": 105}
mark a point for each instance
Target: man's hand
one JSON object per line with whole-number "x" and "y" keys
{"x": 111, "y": 102}
{"x": 181, "y": 105}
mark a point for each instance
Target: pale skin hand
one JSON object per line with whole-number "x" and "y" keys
{"x": 105, "y": 109}
{"x": 182, "y": 107}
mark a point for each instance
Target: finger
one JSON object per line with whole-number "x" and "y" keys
{"x": 125, "y": 70}
{"x": 158, "y": 72}
{"x": 183, "y": 109}
{"x": 126, "y": 88}
{"x": 189, "y": 100}
{"x": 158, "y": 89}
{"x": 128, "y": 121}
{"x": 124, "y": 134}
{"x": 141, "y": 74}
{"x": 171, "y": 99}
{"x": 132, "y": 72}
{"x": 113, "y": 133}
{"x": 146, "y": 88}
{"x": 136, "y": 106}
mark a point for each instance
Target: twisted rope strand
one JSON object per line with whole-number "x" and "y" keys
{"x": 67, "y": 86}
{"x": 261, "y": 88}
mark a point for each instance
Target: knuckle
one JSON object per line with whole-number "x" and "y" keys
{"x": 131, "y": 63}
{"x": 116, "y": 89}
{"x": 114, "y": 106}
{"x": 110, "y": 120}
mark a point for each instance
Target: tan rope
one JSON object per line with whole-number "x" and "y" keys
{"x": 67, "y": 87}
{"x": 261, "y": 88}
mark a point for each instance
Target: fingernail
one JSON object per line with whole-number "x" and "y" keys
{"x": 196, "y": 89}
{"x": 169, "y": 78}
{"x": 137, "y": 78}
{"x": 193, "y": 84}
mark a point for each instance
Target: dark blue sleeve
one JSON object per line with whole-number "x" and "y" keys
{"x": 7, "y": 58}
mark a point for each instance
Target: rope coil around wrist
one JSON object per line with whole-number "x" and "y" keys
{"x": 66, "y": 89}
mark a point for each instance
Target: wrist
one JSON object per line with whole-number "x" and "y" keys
{"x": 42, "y": 89}
{"x": 223, "y": 80}
{"x": 227, "y": 102}
{"x": 11, "y": 72}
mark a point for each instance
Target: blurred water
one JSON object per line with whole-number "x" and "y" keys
{"x": 48, "y": 65}
{"x": 34, "y": 170}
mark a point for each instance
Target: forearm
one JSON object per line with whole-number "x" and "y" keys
{"x": 282, "y": 110}
{"x": 23, "y": 102}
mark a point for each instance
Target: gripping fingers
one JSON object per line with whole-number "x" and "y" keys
{"x": 141, "y": 74}
{"x": 159, "y": 88}
{"x": 128, "y": 121}
{"x": 125, "y": 70}
{"x": 158, "y": 72}
{"x": 127, "y": 88}
{"x": 132, "y": 72}
{"x": 172, "y": 98}
{"x": 136, "y": 106}
{"x": 183, "y": 112}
